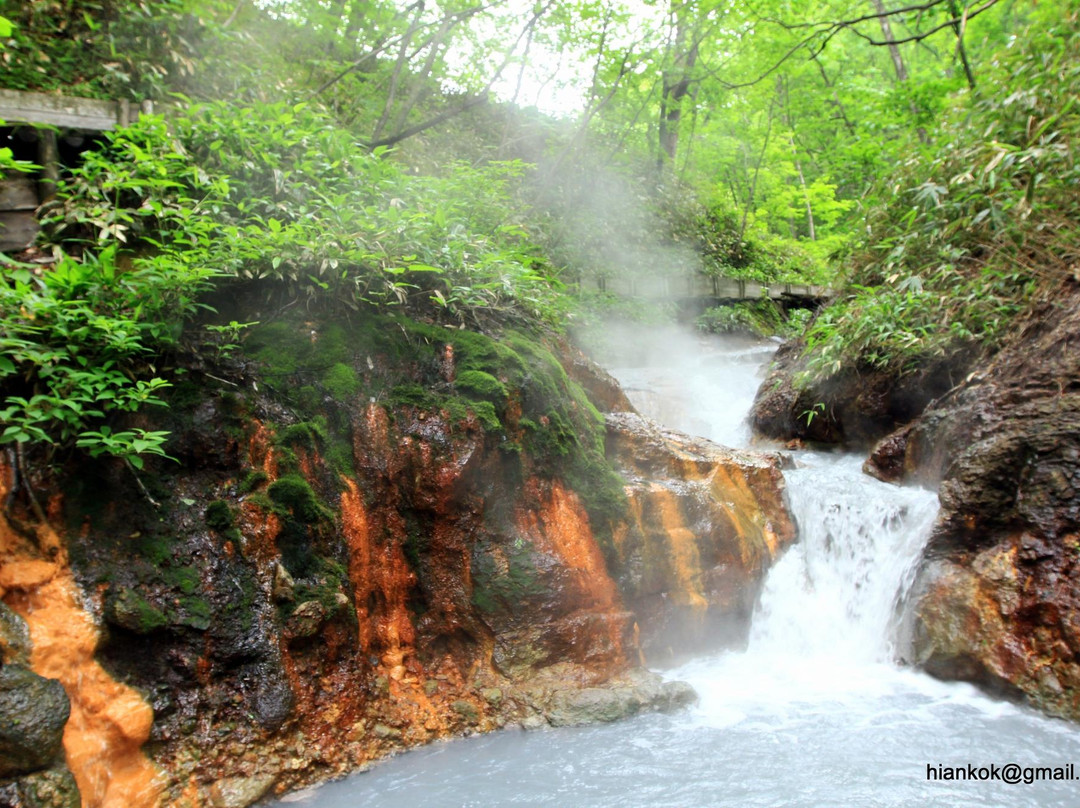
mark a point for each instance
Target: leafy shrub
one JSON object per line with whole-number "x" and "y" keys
{"x": 763, "y": 318}
{"x": 77, "y": 344}
{"x": 279, "y": 192}
{"x": 965, "y": 237}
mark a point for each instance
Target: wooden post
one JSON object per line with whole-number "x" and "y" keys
{"x": 49, "y": 160}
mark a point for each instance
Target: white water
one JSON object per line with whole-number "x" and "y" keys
{"x": 813, "y": 713}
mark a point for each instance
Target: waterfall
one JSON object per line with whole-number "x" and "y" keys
{"x": 835, "y": 592}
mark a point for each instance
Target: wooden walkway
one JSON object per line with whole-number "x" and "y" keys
{"x": 699, "y": 286}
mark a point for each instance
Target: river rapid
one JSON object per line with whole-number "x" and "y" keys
{"x": 814, "y": 712}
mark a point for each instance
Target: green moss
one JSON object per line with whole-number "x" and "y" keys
{"x": 415, "y": 544}
{"x": 456, "y": 409}
{"x": 339, "y": 454}
{"x": 341, "y": 381}
{"x": 195, "y": 613}
{"x": 478, "y": 384}
{"x": 327, "y": 579}
{"x": 294, "y": 492}
{"x": 485, "y": 414}
{"x": 308, "y": 434}
{"x": 260, "y": 499}
{"x": 184, "y": 579}
{"x": 280, "y": 346}
{"x": 253, "y": 480}
{"x": 502, "y": 588}
{"x": 157, "y": 548}
{"x": 308, "y": 398}
{"x": 134, "y": 612}
{"x": 219, "y": 516}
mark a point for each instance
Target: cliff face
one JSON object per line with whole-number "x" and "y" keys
{"x": 998, "y": 601}
{"x": 376, "y": 534}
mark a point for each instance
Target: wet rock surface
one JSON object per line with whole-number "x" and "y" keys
{"x": 638, "y": 691}
{"x": 856, "y": 407}
{"x": 48, "y": 788}
{"x": 33, "y": 711}
{"x": 999, "y": 600}
{"x": 706, "y": 523}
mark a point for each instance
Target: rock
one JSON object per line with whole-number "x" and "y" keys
{"x": 240, "y": 792}
{"x": 129, "y": 609}
{"x": 283, "y": 585}
{"x": 49, "y": 788}
{"x": 386, "y": 733}
{"x": 33, "y": 711}
{"x": 492, "y": 695}
{"x": 466, "y": 710}
{"x": 15, "y": 645}
{"x": 855, "y": 407}
{"x": 534, "y": 721}
{"x": 997, "y": 600}
{"x": 599, "y": 385}
{"x": 706, "y": 525}
{"x": 638, "y": 691}
{"x": 273, "y": 700}
{"x": 306, "y": 620}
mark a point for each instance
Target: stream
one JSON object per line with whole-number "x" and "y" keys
{"x": 813, "y": 713}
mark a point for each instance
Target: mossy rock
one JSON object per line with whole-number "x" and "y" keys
{"x": 130, "y": 610}
{"x": 478, "y": 384}
{"x": 295, "y": 493}
{"x": 219, "y": 516}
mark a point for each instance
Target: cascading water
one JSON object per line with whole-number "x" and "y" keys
{"x": 813, "y": 713}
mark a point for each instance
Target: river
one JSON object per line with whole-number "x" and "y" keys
{"x": 815, "y": 712}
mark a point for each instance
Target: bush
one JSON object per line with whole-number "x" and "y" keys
{"x": 278, "y": 192}
{"x": 961, "y": 240}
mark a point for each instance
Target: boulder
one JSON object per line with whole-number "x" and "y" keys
{"x": 705, "y": 525}
{"x": 636, "y": 692}
{"x": 49, "y": 788}
{"x": 33, "y": 711}
{"x": 997, "y": 600}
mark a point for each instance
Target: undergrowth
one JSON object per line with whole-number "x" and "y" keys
{"x": 969, "y": 235}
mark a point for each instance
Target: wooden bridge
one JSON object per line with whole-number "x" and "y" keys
{"x": 687, "y": 287}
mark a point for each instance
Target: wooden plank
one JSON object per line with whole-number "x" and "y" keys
{"x": 17, "y": 193}
{"x": 67, "y": 112}
{"x": 18, "y": 229}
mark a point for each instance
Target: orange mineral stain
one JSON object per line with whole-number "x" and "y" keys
{"x": 560, "y": 527}
{"x": 109, "y": 722}
{"x": 381, "y": 579}
{"x": 682, "y": 545}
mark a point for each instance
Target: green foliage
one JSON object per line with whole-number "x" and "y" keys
{"x": 100, "y": 48}
{"x": 763, "y": 318}
{"x": 279, "y": 192}
{"x": 966, "y": 236}
{"x": 77, "y": 344}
